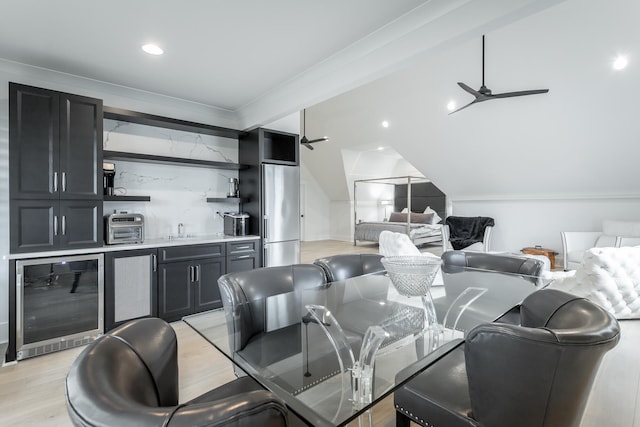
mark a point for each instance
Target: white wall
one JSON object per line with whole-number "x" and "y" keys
{"x": 555, "y": 153}
{"x": 357, "y": 165}
{"x": 341, "y": 220}
{"x": 522, "y": 223}
{"x": 316, "y": 209}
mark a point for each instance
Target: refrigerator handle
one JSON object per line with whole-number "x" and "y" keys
{"x": 265, "y": 224}
{"x": 264, "y": 256}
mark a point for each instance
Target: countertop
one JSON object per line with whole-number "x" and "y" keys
{"x": 148, "y": 244}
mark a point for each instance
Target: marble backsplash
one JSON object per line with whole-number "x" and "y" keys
{"x": 178, "y": 193}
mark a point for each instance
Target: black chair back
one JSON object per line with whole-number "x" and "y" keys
{"x": 536, "y": 374}
{"x": 540, "y": 373}
{"x": 454, "y": 261}
{"x": 342, "y": 267}
{"x": 245, "y": 296}
{"x": 129, "y": 377}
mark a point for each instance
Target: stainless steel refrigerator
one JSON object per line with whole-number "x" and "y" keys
{"x": 281, "y": 214}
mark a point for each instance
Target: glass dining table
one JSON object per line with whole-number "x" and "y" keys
{"x": 332, "y": 352}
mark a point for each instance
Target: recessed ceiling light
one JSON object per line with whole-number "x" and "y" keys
{"x": 385, "y": 124}
{"x": 620, "y": 62}
{"x": 451, "y": 106}
{"x": 152, "y": 49}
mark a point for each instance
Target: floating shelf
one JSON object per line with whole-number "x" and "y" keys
{"x": 225, "y": 199}
{"x": 127, "y": 198}
{"x": 167, "y": 122}
{"x": 150, "y": 158}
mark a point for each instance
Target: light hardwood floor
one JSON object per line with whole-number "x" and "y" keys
{"x": 32, "y": 391}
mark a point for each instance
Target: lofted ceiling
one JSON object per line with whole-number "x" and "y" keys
{"x": 260, "y": 60}
{"x": 577, "y": 141}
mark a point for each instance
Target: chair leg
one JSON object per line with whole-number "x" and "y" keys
{"x": 402, "y": 420}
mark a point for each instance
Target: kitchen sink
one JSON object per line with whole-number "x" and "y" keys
{"x": 181, "y": 237}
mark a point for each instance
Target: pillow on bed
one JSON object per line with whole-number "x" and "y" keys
{"x": 416, "y": 218}
{"x": 436, "y": 218}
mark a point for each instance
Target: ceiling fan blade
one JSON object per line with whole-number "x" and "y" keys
{"x": 464, "y": 106}
{"x": 306, "y": 144}
{"x": 324, "y": 138}
{"x": 519, "y": 93}
{"x": 469, "y": 89}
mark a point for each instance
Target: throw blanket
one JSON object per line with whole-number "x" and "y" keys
{"x": 465, "y": 231}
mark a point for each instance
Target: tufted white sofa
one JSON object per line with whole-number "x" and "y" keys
{"x": 609, "y": 277}
{"x": 614, "y": 234}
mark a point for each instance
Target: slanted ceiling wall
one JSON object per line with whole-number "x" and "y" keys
{"x": 538, "y": 164}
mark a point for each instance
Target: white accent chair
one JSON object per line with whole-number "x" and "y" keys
{"x": 614, "y": 234}
{"x": 609, "y": 277}
{"x": 484, "y": 246}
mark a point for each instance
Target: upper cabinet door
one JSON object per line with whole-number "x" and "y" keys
{"x": 80, "y": 147}
{"x": 55, "y": 144}
{"x": 34, "y": 142}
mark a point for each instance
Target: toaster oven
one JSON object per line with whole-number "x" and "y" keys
{"x": 124, "y": 228}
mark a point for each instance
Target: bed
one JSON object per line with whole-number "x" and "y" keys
{"x": 419, "y": 196}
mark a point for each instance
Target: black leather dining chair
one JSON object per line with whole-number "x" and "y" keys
{"x": 345, "y": 266}
{"x": 528, "y": 267}
{"x": 536, "y": 374}
{"x": 521, "y": 272}
{"x": 129, "y": 377}
{"x": 263, "y": 312}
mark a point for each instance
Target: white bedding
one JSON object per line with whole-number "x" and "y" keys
{"x": 370, "y": 231}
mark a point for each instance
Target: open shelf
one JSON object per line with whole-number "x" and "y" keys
{"x": 150, "y": 158}
{"x": 127, "y": 198}
{"x": 167, "y": 122}
{"x": 225, "y": 199}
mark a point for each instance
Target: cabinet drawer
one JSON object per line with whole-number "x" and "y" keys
{"x": 245, "y": 247}
{"x": 188, "y": 253}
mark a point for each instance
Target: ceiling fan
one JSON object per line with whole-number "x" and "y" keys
{"x": 484, "y": 93}
{"x": 305, "y": 141}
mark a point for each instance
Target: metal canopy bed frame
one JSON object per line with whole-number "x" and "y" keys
{"x": 414, "y": 194}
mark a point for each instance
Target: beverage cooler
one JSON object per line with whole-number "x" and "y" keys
{"x": 59, "y": 303}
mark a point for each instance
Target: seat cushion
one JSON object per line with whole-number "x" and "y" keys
{"x": 439, "y": 396}
{"x": 235, "y": 387}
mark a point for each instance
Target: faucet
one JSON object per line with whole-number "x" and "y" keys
{"x": 180, "y": 229}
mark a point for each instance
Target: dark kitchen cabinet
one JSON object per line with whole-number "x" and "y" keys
{"x": 55, "y": 144}
{"x": 188, "y": 279}
{"x": 256, "y": 148}
{"x": 243, "y": 256}
{"x": 55, "y": 153}
{"x": 175, "y": 290}
{"x": 130, "y": 286}
{"x": 269, "y": 146}
{"x": 39, "y": 225}
{"x": 207, "y": 293}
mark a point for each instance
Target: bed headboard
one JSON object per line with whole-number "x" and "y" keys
{"x": 423, "y": 194}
